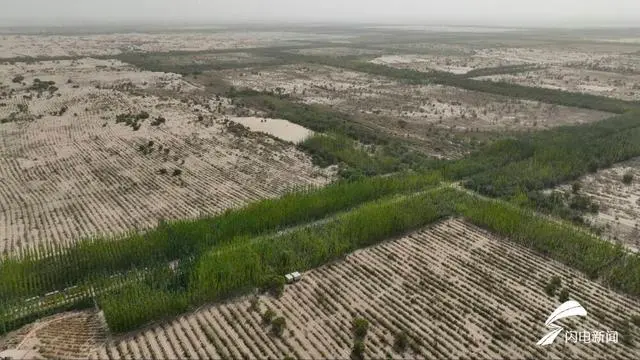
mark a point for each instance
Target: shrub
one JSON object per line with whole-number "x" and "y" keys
{"x": 142, "y": 115}
{"x": 176, "y": 172}
{"x": 158, "y": 121}
{"x": 553, "y": 285}
{"x": 18, "y": 79}
{"x": 575, "y": 187}
{"x": 401, "y": 342}
{"x": 278, "y": 325}
{"x": 627, "y": 178}
{"x": 254, "y": 304}
{"x": 268, "y": 316}
{"x": 357, "y": 352}
{"x": 564, "y": 295}
{"x": 635, "y": 320}
{"x": 360, "y": 327}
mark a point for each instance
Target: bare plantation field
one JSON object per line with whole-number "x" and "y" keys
{"x": 113, "y": 44}
{"x": 70, "y": 169}
{"x": 619, "y": 201}
{"x": 444, "y": 288}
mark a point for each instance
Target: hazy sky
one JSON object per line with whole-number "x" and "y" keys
{"x": 482, "y": 12}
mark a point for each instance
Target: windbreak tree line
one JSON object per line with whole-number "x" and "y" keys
{"x": 241, "y": 266}
{"x": 93, "y": 262}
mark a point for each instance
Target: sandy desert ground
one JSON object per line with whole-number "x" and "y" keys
{"x": 68, "y": 170}
{"x": 444, "y": 287}
{"x": 113, "y": 44}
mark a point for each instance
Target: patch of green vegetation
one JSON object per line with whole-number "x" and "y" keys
{"x": 360, "y": 327}
{"x": 627, "y": 178}
{"x": 268, "y": 316}
{"x": 132, "y": 120}
{"x": 41, "y": 86}
{"x": 158, "y": 121}
{"x": 278, "y": 325}
{"x": 500, "y": 70}
{"x": 553, "y": 285}
{"x": 274, "y": 285}
{"x": 401, "y": 342}
{"x": 527, "y": 165}
{"x": 357, "y": 352}
{"x": 564, "y": 295}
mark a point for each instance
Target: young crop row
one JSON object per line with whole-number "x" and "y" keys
{"x": 248, "y": 263}
{"x": 53, "y": 268}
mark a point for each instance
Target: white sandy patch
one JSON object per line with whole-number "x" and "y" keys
{"x": 279, "y": 128}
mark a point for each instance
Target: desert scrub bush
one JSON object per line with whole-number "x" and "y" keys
{"x": 400, "y": 342}
{"x": 554, "y": 283}
{"x": 268, "y": 316}
{"x": 278, "y": 325}
{"x": 360, "y": 327}
{"x": 635, "y": 320}
{"x": 564, "y": 295}
{"x": 17, "y": 79}
{"x": 254, "y": 304}
{"x": 357, "y": 352}
{"x": 575, "y": 187}
{"x": 158, "y": 121}
{"x": 627, "y": 178}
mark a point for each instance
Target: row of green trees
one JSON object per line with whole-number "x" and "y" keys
{"x": 248, "y": 263}
{"x": 610, "y": 263}
{"x": 548, "y": 158}
{"x": 54, "y": 268}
